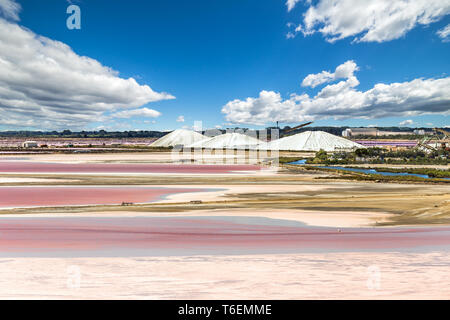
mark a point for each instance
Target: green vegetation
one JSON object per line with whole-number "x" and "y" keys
{"x": 321, "y": 157}
{"x": 381, "y": 156}
{"x": 349, "y": 175}
{"x": 434, "y": 173}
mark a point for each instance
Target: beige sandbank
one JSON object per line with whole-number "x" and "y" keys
{"x": 337, "y": 219}
{"x": 229, "y": 192}
{"x": 406, "y": 204}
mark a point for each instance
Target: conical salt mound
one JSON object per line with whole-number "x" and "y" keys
{"x": 179, "y": 137}
{"x": 227, "y": 141}
{"x": 311, "y": 141}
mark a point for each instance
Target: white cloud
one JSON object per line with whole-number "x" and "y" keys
{"x": 369, "y": 20}
{"x": 10, "y": 9}
{"x": 45, "y": 84}
{"x": 268, "y": 107}
{"x": 444, "y": 33}
{"x": 291, "y": 4}
{"x": 406, "y": 123}
{"x": 180, "y": 119}
{"x": 342, "y": 100}
{"x": 290, "y": 35}
{"x": 143, "y": 112}
{"x": 344, "y": 71}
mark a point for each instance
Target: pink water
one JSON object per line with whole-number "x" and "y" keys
{"x": 64, "y": 196}
{"x": 186, "y": 236}
{"x": 36, "y": 167}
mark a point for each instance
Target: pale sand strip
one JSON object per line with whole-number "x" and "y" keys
{"x": 225, "y": 192}
{"x": 292, "y": 276}
{"x": 337, "y": 219}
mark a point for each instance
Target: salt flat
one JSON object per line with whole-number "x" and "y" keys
{"x": 351, "y": 275}
{"x": 250, "y": 234}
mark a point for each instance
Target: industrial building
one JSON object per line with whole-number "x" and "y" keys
{"x": 29, "y": 144}
{"x": 373, "y": 132}
{"x": 360, "y": 132}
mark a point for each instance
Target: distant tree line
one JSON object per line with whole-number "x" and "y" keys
{"x": 84, "y": 134}
{"x": 158, "y": 134}
{"x": 380, "y": 156}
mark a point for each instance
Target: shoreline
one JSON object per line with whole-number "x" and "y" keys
{"x": 345, "y": 219}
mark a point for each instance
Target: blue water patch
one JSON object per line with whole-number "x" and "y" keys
{"x": 298, "y": 162}
{"x": 383, "y": 173}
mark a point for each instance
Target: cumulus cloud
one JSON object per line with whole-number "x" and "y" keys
{"x": 180, "y": 119}
{"x": 10, "y": 9}
{"x": 45, "y": 84}
{"x": 406, "y": 123}
{"x": 369, "y": 20}
{"x": 344, "y": 71}
{"x": 143, "y": 112}
{"x": 291, "y": 4}
{"x": 268, "y": 107}
{"x": 342, "y": 100}
{"x": 444, "y": 33}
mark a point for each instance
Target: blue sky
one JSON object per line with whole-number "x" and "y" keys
{"x": 207, "y": 53}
